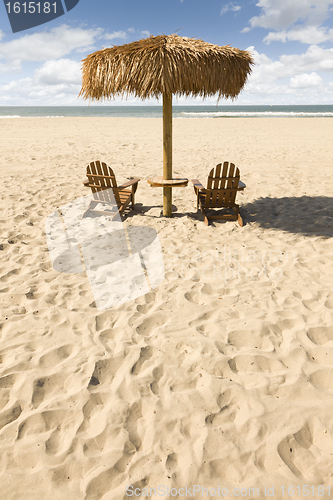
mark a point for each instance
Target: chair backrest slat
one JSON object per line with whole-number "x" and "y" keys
{"x": 216, "y": 182}
{"x": 102, "y": 182}
{"x": 222, "y": 186}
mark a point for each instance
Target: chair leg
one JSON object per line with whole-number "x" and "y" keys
{"x": 239, "y": 217}
{"x": 240, "y": 220}
{"x": 134, "y": 188}
{"x": 206, "y": 220}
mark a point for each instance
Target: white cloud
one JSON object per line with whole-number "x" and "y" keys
{"x": 314, "y": 59}
{"x": 116, "y": 34}
{"x": 30, "y": 92}
{"x": 230, "y": 7}
{"x": 145, "y": 34}
{"x": 282, "y": 14}
{"x": 269, "y": 71}
{"x": 296, "y": 20}
{"x": 59, "y": 72}
{"x": 12, "y": 67}
{"x": 305, "y": 80}
{"x": 293, "y": 79}
{"x": 307, "y": 34}
{"x": 265, "y": 69}
{"x": 46, "y": 45}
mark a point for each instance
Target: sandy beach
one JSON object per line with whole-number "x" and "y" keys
{"x": 221, "y": 376}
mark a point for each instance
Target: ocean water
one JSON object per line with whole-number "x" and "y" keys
{"x": 198, "y": 111}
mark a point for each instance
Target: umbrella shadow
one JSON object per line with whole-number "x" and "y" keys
{"x": 307, "y": 215}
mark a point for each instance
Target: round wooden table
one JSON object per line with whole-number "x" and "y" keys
{"x": 158, "y": 181}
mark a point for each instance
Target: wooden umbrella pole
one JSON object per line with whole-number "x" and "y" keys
{"x": 167, "y": 153}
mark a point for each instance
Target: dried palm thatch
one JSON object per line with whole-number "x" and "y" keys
{"x": 171, "y": 65}
{"x": 165, "y": 65}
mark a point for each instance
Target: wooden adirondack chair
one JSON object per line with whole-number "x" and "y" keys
{"x": 103, "y": 184}
{"x": 222, "y": 186}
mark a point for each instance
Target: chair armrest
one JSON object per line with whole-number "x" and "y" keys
{"x": 86, "y": 183}
{"x": 131, "y": 182}
{"x": 241, "y": 185}
{"x": 197, "y": 185}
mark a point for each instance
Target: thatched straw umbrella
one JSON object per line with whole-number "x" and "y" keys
{"x": 165, "y": 65}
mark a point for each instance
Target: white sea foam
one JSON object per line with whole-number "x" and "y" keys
{"x": 241, "y": 114}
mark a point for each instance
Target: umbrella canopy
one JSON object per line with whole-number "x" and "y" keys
{"x": 165, "y": 66}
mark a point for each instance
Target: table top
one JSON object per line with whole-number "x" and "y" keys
{"x": 158, "y": 181}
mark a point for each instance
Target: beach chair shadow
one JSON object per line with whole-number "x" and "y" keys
{"x": 217, "y": 201}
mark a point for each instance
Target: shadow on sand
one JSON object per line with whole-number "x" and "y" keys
{"x": 307, "y": 215}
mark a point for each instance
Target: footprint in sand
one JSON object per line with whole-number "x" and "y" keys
{"x": 92, "y": 411}
{"x": 105, "y": 370}
{"x": 320, "y": 335}
{"x": 104, "y": 321}
{"x": 8, "y": 276}
{"x": 63, "y": 434}
{"x": 101, "y": 443}
{"x": 105, "y": 481}
{"x": 6, "y": 385}
{"x": 149, "y": 299}
{"x": 145, "y": 354}
{"x": 253, "y": 364}
{"x": 322, "y": 380}
{"x": 295, "y": 452}
{"x": 32, "y": 425}
{"x": 171, "y": 464}
{"x": 329, "y": 301}
{"x": 228, "y": 402}
{"x": 45, "y": 422}
{"x": 44, "y": 387}
{"x": 61, "y": 439}
{"x": 204, "y": 318}
{"x": 7, "y": 381}
{"x": 9, "y": 415}
{"x": 144, "y": 308}
{"x": 157, "y": 374}
{"x": 288, "y": 323}
{"x": 216, "y": 420}
{"x": 206, "y": 289}
{"x": 305, "y": 294}
{"x": 130, "y": 424}
{"x": 312, "y": 305}
{"x": 200, "y": 294}
{"x": 193, "y": 295}
{"x": 55, "y": 356}
{"x": 156, "y": 320}
{"x": 251, "y": 338}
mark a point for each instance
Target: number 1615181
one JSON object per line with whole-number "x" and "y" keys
{"x": 32, "y": 8}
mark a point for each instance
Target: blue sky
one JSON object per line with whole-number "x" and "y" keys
{"x": 291, "y": 41}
